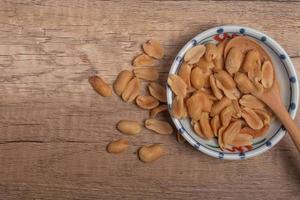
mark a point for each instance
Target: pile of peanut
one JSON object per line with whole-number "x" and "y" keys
{"x": 216, "y": 87}
{"x": 128, "y": 86}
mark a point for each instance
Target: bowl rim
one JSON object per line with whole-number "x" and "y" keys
{"x": 284, "y": 58}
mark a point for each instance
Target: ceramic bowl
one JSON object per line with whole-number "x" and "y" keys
{"x": 285, "y": 73}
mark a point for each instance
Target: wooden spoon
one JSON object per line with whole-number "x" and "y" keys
{"x": 272, "y": 98}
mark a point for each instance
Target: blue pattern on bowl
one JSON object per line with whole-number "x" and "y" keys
{"x": 220, "y": 30}
{"x": 263, "y": 38}
{"x": 242, "y": 31}
{"x": 282, "y": 57}
{"x": 293, "y": 79}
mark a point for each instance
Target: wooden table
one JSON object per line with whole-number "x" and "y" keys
{"x": 54, "y": 127}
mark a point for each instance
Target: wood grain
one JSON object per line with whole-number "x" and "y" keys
{"x": 54, "y": 127}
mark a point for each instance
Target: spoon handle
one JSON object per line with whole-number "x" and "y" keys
{"x": 288, "y": 123}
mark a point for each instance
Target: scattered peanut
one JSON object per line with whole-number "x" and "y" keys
{"x": 151, "y": 153}
{"x": 122, "y": 80}
{"x": 100, "y": 86}
{"x": 147, "y": 102}
{"x": 129, "y": 127}
{"x": 158, "y": 126}
{"x": 143, "y": 60}
{"x": 153, "y": 49}
{"x": 117, "y": 146}
{"x": 146, "y": 73}
{"x": 158, "y": 109}
{"x": 158, "y": 91}
{"x": 132, "y": 90}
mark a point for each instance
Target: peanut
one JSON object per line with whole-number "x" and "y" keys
{"x": 147, "y": 102}
{"x": 143, "y": 60}
{"x": 198, "y": 78}
{"x": 216, "y": 91}
{"x": 215, "y": 124}
{"x": 197, "y": 103}
{"x": 267, "y": 74}
{"x": 244, "y": 83}
{"x": 234, "y": 60}
{"x": 220, "y": 137}
{"x": 158, "y": 91}
{"x": 205, "y": 125}
{"x": 231, "y": 132}
{"x": 226, "y": 115}
{"x": 117, "y": 146}
{"x": 194, "y": 54}
{"x": 132, "y": 90}
{"x": 253, "y": 132}
{"x": 122, "y": 80}
{"x": 209, "y": 93}
{"x": 177, "y": 85}
{"x": 158, "y": 126}
{"x": 154, "y": 49}
{"x": 211, "y": 52}
{"x": 129, "y": 127}
{"x": 252, "y": 60}
{"x": 265, "y": 117}
{"x": 205, "y": 101}
{"x": 185, "y": 73}
{"x": 219, "y": 60}
{"x": 154, "y": 112}
{"x": 146, "y": 73}
{"x": 237, "y": 109}
{"x": 100, "y": 86}
{"x": 198, "y": 131}
{"x": 151, "y": 152}
{"x": 230, "y": 93}
{"x": 251, "y": 101}
{"x": 259, "y": 89}
{"x": 219, "y": 106}
{"x": 242, "y": 140}
{"x": 252, "y": 119}
{"x": 205, "y": 65}
{"x": 178, "y": 107}
{"x": 225, "y": 79}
